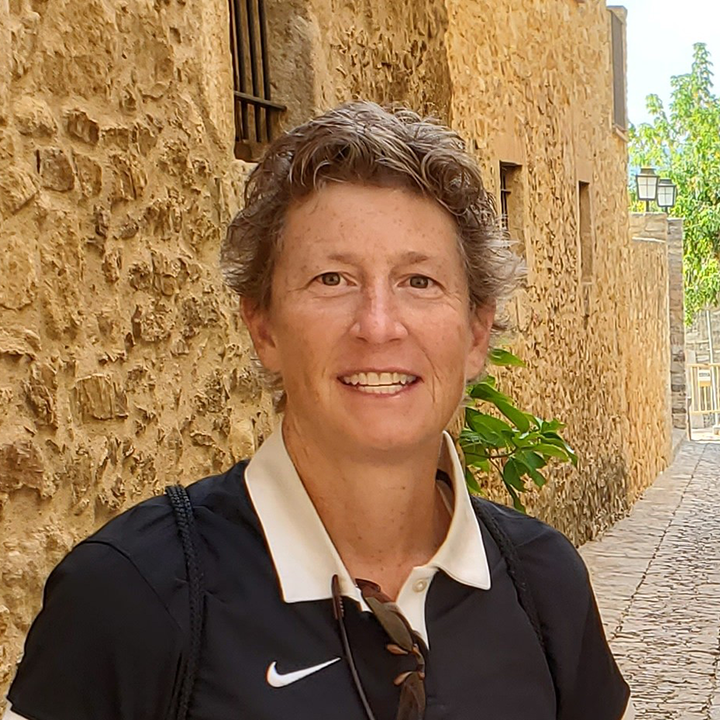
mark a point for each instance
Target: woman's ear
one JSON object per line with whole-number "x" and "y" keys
{"x": 258, "y": 323}
{"x": 481, "y": 323}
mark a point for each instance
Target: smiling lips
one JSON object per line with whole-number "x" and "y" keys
{"x": 383, "y": 383}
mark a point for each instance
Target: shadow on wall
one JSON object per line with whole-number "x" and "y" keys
{"x": 326, "y": 52}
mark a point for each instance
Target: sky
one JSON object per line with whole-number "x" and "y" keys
{"x": 660, "y": 38}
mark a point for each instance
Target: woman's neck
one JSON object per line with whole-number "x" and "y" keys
{"x": 383, "y": 518}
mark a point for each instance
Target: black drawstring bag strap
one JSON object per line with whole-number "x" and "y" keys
{"x": 185, "y": 519}
{"x": 514, "y": 566}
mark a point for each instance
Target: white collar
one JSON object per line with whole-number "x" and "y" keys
{"x": 304, "y": 555}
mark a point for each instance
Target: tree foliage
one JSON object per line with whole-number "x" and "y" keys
{"x": 683, "y": 142}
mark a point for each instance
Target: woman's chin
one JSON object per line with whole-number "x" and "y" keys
{"x": 388, "y": 437}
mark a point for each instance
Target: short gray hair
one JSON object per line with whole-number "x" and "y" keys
{"x": 361, "y": 142}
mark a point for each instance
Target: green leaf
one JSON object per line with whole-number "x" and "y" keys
{"x": 549, "y": 426}
{"x": 511, "y": 475}
{"x": 472, "y": 483}
{"x": 531, "y": 459}
{"x": 517, "y": 417}
{"x": 477, "y": 461}
{"x": 490, "y": 426}
{"x": 552, "y": 451}
{"x": 530, "y": 463}
{"x": 555, "y": 439}
{"x": 517, "y": 504}
{"x": 498, "y": 356}
{"x": 484, "y": 391}
{"x": 537, "y": 477}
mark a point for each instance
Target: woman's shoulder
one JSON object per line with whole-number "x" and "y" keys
{"x": 151, "y": 523}
{"x": 145, "y": 536}
{"x": 546, "y": 554}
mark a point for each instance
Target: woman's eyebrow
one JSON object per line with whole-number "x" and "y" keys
{"x": 411, "y": 257}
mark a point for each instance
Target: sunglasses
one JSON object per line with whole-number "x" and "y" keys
{"x": 403, "y": 641}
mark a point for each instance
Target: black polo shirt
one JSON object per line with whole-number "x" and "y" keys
{"x": 111, "y": 640}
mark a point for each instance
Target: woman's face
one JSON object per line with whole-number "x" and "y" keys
{"x": 370, "y": 324}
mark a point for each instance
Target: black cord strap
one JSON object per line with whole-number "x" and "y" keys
{"x": 514, "y": 566}
{"x": 185, "y": 519}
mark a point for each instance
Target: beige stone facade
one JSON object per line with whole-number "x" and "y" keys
{"x": 123, "y": 366}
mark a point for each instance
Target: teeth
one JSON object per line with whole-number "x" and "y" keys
{"x": 372, "y": 381}
{"x": 380, "y": 389}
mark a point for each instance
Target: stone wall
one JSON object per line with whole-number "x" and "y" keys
{"x": 335, "y": 50}
{"x": 534, "y": 89}
{"x": 678, "y": 384}
{"x": 647, "y": 352}
{"x": 122, "y": 363}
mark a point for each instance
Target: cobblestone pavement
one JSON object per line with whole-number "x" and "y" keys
{"x": 657, "y": 578}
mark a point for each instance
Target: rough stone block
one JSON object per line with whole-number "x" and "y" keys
{"x": 112, "y": 265}
{"x": 62, "y": 262}
{"x": 56, "y": 172}
{"x": 168, "y": 273}
{"x": 19, "y": 342}
{"x": 129, "y": 179}
{"x": 98, "y": 397}
{"x": 147, "y": 134}
{"x": 81, "y": 127}
{"x": 101, "y": 218}
{"x": 89, "y": 174}
{"x": 197, "y": 313}
{"x": 24, "y": 35}
{"x": 18, "y": 277}
{"x": 152, "y": 321}
{"x": 33, "y": 117}
{"x": 7, "y": 146}
{"x": 120, "y": 137}
{"x": 17, "y": 189}
{"x": 21, "y": 465}
{"x": 128, "y": 228}
{"x": 40, "y": 389}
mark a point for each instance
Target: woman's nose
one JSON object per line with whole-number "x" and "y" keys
{"x": 379, "y": 317}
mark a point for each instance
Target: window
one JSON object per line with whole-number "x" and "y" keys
{"x": 255, "y": 112}
{"x": 585, "y": 232}
{"x": 617, "y": 35}
{"x": 511, "y": 203}
{"x": 504, "y": 195}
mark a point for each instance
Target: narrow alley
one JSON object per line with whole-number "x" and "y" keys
{"x": 657, "y": 578}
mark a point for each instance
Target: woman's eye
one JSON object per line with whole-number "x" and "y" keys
{"x": 420, "y": 282}
{"x": 331, "y": 279}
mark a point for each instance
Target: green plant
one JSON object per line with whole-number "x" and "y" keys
{"x": 517, "y": 446}
{"x": 683, "y": 142}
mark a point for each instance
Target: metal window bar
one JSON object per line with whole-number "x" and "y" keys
{"x": 251, "y": 77}
{"x": 504, "y": 195}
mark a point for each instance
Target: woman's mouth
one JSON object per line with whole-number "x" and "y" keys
{"x": 379, "y": 383}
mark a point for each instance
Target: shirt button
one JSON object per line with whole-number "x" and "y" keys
{"x": 420, "y": 585}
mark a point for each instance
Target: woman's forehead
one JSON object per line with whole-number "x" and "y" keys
{"x": 343, "y": 221}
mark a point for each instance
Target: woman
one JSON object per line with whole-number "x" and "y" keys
{"x": 345, "y": 571}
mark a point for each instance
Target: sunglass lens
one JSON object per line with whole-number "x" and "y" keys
{"x": 412, "y": 699}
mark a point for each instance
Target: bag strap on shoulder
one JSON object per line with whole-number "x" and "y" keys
{"x": 514, "y": 565}
{"x": 185, "y": 520}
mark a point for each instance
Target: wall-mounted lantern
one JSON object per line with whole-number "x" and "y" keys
{"x": 647, "y": 184}
{"x": 666, "y": 194}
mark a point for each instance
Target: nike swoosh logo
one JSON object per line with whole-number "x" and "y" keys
{"x": 276, "y": 680}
